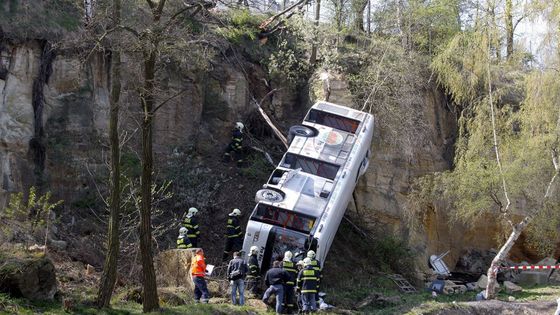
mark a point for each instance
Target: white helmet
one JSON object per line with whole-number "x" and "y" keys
{"x": 236, "y": 212}
{"x": 288, "y": 256}
{"x": 253, "y": 250}
{"x": 310, "y": 254}
{"x": 192, "y": 211}
{"x": 239, "y": 126}
{"x": 307, "y": 261}
{"x": 183, "y": 231}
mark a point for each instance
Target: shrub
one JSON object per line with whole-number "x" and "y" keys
{"x": 27, "y": 215}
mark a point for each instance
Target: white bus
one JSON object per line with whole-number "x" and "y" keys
{"x": 304, "y": 200}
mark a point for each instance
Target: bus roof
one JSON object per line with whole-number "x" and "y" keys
{"x": 330, "y": 145}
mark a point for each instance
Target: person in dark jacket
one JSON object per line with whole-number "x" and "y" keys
{"x": 234, "y": 240}
{"x": 290, "y": 267}
{"x": 183, "y": 240}
{"x": 191, "y": 223}
{"x": 275, "y": 279}
{"x": 237, "y": 270}
{"x": 236, "y": 145}
{"x": 308, "y": 286}
{"x": 254, "y": 274}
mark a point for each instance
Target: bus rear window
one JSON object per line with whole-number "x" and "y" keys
{"x": 283, "y": 218}
{"x": 311, "y": 166}
{"x": 333, "y": 121}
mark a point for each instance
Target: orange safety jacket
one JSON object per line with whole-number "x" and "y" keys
{"x": 198, "y": 266}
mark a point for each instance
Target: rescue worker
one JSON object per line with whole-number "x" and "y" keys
{"x": 314, "y": 262}
{"x": 299, "y": 266}
{"x": 191, "y": 223}
{"x": 275, "y": 279}
{"x": 316, "y": 265}
{"x": 237, "y": 271}
{"x": 308, "y": 281}
{"x": 254, "y": 274}
{"x": 236, "y": 145}
{"x": 198, "y": 272}
{"x": 183, "y": 241}
{"x": 234, "y": 242}
{"x": 289, "y": 266}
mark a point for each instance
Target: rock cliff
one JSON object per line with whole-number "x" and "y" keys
{"x": 71, "y": 127}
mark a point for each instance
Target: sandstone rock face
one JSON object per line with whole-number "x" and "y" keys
{"x": 16, "y": 121}
{"x": 173, "y": 268}
{"x": 32, "y": 278}
{"x": 75, "y": 116}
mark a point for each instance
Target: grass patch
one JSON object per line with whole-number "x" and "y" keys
{"x": 22, "y": 306}
{"x": 258, "y": 168}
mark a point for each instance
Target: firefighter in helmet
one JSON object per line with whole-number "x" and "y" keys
{"x": 234, "y": 239}
{"x": 183, "y": 241}
{"x": 235, "y": 147}
{"x": 191, "y": 223}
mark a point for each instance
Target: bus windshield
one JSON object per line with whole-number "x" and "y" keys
{"x": 333, "y": 121}
{"x": 283, "y": 218}
{"x": 281, "y": 241}
{"x": 311, "y": 166}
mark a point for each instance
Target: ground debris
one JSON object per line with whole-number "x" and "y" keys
{"x": 379, "y": 300}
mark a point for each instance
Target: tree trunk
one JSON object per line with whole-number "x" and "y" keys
{"x": 400, "y": 22}
{"x": 368, "y": 17}
{"x": 495, "y": 38}
{"x": 313, "y": 57}
{"x": 150, "y": 297}
{"x": 502, "y": 254}
{"x": 338, "y": 15}
{"x": 109, "y": 276}
{"x": 509, "y": 28}
{"x": 359, "y": 7}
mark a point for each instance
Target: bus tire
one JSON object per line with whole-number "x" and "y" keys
{"x": 269, "y": 195}
{"x": 302, "y": 131}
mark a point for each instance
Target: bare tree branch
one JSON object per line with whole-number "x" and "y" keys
{"x": 276, "y": 131}
{"x": 495, "y": 138}
{"x": 268, "y": 21}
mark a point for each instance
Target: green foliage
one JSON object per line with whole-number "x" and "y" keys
{"x": 433, "y": 23}
{"x": 461, "y": 67}
{"x": 385, "y": 80}
{"x": 35, "y": 209}
{"x": 27, "y": 214}
{"x": 243, "y": 26}
{"x": 527, "y": 130}
{"x": 287, "y": 63}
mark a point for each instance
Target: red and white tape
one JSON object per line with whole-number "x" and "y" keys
{"x": 531, "y": 267}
